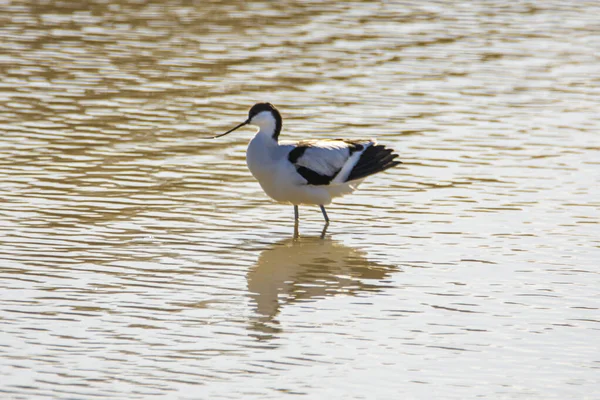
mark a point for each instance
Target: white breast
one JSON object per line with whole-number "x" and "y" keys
{"x": 259, "y": 158}
{"x": 264, "y": 160}
{"x": 278, "y": 177}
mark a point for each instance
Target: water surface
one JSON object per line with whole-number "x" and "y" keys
{"x": 139, "y": 258}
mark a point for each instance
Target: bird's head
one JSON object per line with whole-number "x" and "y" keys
{"x": 263, "y": 115}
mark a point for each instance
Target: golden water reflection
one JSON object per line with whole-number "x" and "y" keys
{"x": 302, "y": 269}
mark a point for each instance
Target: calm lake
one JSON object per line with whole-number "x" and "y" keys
{"x": 140, "y": 259}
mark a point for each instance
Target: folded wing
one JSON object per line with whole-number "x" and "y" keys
{"x": 325, "y": 162}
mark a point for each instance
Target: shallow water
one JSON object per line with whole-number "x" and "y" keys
{"x": 139, "y": 258}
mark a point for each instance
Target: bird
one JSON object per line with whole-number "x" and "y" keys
{"x": 308, "y": 172}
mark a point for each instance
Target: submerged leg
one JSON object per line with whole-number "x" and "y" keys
{"x": 296, "y": 213}
{"x": 324, "y": 214}
{"x": 324, "y": 231}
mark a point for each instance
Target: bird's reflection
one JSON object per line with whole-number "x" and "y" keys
{"x": 304, "y": 268}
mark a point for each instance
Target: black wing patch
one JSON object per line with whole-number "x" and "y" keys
{"x": 314, "y": 178}
{"x": 354, "y": 145}
{"x": 374, "y": 159}
{"x": 296, "y": 154}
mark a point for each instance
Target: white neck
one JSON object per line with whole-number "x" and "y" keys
{"x": 261, "y": 152}
{"x": 264, "y": 138}
{"x": 266, "y": 134}
{"x": 267, "y": 126}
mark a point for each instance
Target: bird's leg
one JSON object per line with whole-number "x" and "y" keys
{"x": 324, "y": 214}
{"x": 296, "y": 219}
{"x": 324, "y": 231}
